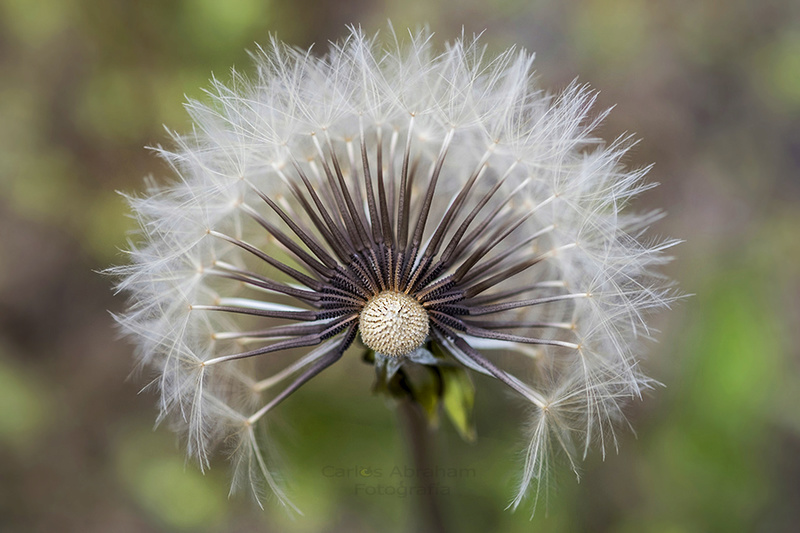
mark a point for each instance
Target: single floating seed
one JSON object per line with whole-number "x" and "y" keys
{"x": 393, "y": 323}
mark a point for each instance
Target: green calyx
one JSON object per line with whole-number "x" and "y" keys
{"x": 435, "y": 388}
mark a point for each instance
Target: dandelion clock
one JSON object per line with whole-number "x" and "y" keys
{"x": 422, "y": 206}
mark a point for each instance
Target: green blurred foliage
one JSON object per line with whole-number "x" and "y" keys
{"x": 174, "y": 494}
{"x": 26, "y": 407}
{"x": 713, "y": 88}
{"x": 778, "y": 63}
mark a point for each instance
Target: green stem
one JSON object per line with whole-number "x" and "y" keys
{"x": 420, "y": 443}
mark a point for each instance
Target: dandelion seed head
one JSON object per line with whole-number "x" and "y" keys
{"x": 429, "y": 203}
{"x": 393, "y": 323}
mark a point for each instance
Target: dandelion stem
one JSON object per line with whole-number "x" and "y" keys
{"x": 420, "y": 444}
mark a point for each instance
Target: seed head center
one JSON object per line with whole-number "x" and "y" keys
{"x": 393, "y": 323}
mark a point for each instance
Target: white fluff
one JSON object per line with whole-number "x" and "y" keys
{"x": 250, "y": 132}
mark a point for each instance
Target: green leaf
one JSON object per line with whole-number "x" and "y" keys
{"x": 458, "y": 399}
{"x": 426, "y": 389}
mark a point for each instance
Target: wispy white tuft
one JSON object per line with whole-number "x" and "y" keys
{"x": 597, "y": 280}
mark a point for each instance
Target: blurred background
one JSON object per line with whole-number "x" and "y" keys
{"x": 711, "y": 87}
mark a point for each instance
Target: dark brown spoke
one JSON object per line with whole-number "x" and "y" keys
{"x": 338, "y": 269}
{"x": 350, "y": 283}
{"x": 508, "y": 272}
{"x": 386, "y": 213}
{"x": 496, "y": 335}
{"x": 339, "y": 242}
{"x": 350, "y": 230}
{"x": 324, "y": 362}
{"x": 318, "y": 223}
{"x": 482, "y": 362}
{"x": 462, "y": 229}
{"x": 343, "y": 288}
{"x": 487, "y": 222}
{"x": 331, "y": 196}
{"x": 516, "y": 324}
{"x": 293, "y": 330}
{"x": 307, "y": 316}
{"x": 460, "y": 325}
{"x": 303, "y": 235}
{"x": 427, "y": 200}
{"x": 481, "y": 245}
{"x": 306, "y": 340}
{"x": 377, "y": 266}
{"x": 436, "y": 289}
{"x": 356, "y": 215}
{"x": 447, "y": 298}
{"x": 502, "y": 295}
{"x": 419, "y": 272}
{"x": 403, "y": 201}
{"x": 355, "y": 184}
{"x": 496, "y": 238}
{"x": 506, "y": 306}
{"x": 365, "y": 273}
{"x": 454, "y": 209}
{"x": 374, "y": 216}
{"x": 279, "y": 265}
{"x": 489, "y": 264}
{"x": 288, "y": 242}
{"x": 309, "y": 297}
